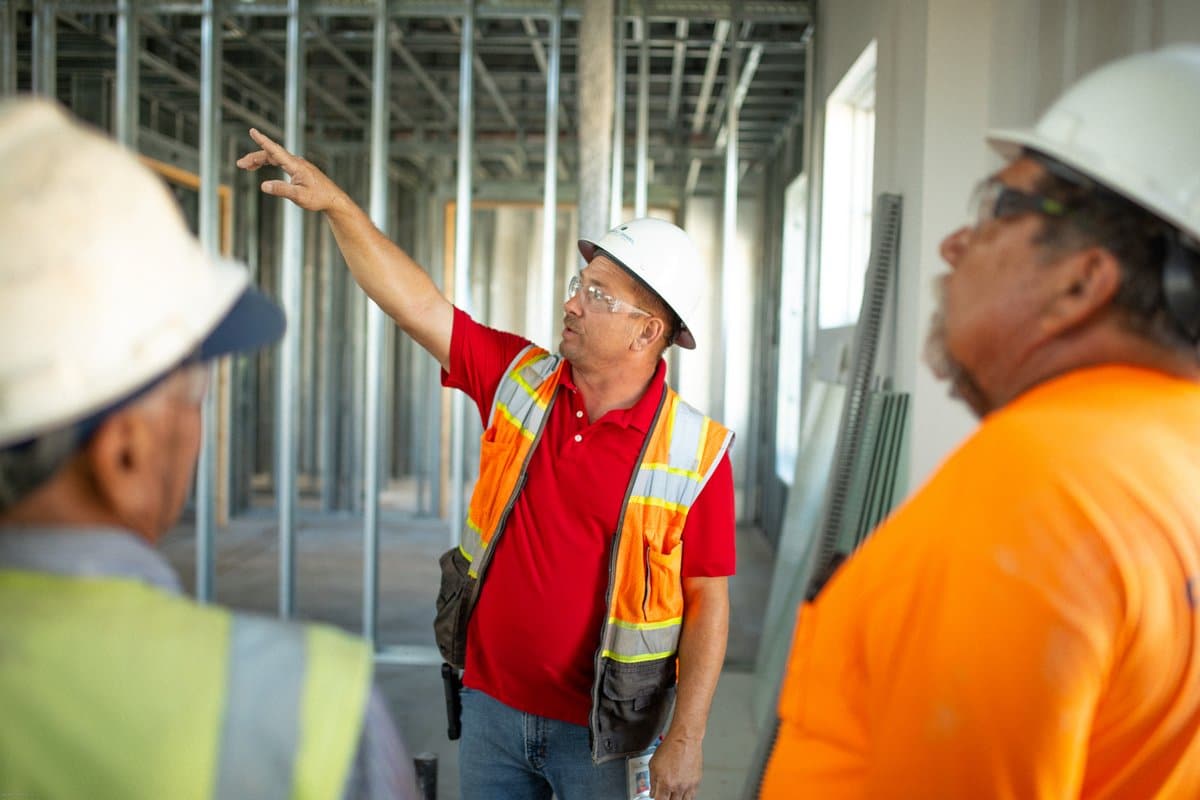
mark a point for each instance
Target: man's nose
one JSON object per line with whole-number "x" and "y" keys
{"x": 954, "y": 245}
{"x": 571, "y": 305}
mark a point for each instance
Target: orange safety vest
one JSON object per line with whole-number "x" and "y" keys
{"x": 634, "y": 686}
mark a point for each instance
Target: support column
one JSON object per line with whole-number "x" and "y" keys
{"x": 595, "y": 102}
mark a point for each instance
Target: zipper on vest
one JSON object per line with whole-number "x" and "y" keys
{"x": 594, "y": 715}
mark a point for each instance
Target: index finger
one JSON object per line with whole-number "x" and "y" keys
{"x": 275, "y": 153}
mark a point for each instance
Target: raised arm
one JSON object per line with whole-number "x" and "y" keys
{"x": 386, "y": 273}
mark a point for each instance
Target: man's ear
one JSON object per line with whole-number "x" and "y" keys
{"x": 120, "y": 456}
{"x": 651, "y": 330}
{"x": 1086, "y": 282}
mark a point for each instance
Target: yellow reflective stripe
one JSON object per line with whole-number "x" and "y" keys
{"x": 465, "y": 554}
{"x": 659, "y": 503}
{"x": 637, "y": 659}
{"x": 503, "y": 409}
{"x": 644, "y": 626}
{"x": 532, "y": 392}
{"x": 683, "y": 473}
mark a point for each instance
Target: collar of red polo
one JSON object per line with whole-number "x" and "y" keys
{"x": 641, "y": 414}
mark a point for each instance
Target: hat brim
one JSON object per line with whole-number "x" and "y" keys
{"x": 1011, "y": 142}
{"x": 252, "y": 322}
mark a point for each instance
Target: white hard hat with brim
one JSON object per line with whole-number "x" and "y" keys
{"x": 104, "y": 289}
{"x": 1133, "y": 126}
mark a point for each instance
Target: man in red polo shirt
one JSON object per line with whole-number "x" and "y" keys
{"x": 595, "y": 624}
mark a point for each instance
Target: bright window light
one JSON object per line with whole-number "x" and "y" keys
{"x": 846, "y": 196}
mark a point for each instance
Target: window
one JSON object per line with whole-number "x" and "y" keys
{"x": 846, "y": 196}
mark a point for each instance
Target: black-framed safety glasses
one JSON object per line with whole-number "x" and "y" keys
{"x": 993, "y": 200}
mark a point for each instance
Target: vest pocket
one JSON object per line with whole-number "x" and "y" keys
{"x": 450, "y": 623}
{"x": 635, "y": 701}
{"x": 663, "y": 598}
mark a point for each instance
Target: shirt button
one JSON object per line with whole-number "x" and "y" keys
{"x": 578, "y": 438}
{"x": 578, "y": 414}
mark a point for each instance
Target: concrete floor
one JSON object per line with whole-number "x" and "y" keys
{"x": 328, "y": 588}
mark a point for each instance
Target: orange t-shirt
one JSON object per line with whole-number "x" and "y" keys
{"x": 1026, "y": 625}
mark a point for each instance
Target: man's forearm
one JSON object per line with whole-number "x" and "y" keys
{"x": 392, "y": 278}
{"x": 701, "y": 654}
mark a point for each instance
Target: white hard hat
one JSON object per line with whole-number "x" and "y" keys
{"x": 664, "y": 258}
{"x": 1133, "y": 126}
{"x": 102, "y": 287}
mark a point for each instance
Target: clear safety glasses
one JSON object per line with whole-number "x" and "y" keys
{"x": 597, "y": 299}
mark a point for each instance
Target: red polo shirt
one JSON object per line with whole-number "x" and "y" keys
{"x": 534, "y": 631}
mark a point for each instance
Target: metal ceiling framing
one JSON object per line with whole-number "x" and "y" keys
{"x": 686, "y": 96}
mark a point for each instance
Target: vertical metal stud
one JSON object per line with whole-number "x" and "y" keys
{"x": 45, "y": 55}
{"x": 550, "y": 187}
{"x": 292, "y": 258}
{"x": 643, "y": 120}
{"x": 8, "y": 47}
{"x": 618, "y": 141}
{"x": 373, "y": 439}
{"x": 210, "y": 237}
{"x": 728, "y": 225}
{"x": 128, "y": 45}
{"x": 326, "y": 396}
{"x": 462, "y": 250}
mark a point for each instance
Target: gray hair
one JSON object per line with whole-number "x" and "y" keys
{"x": 26, "y": 466}
{"x": 1140, "y": 241}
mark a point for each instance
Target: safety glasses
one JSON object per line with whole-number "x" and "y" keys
{"x": 993, "y": 200}
{"x": 597, "y": 299}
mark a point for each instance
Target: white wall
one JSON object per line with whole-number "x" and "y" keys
{"x": 739, "y": 384}
{"x": 947, "y": 71}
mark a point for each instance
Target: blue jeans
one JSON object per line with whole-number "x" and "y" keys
{"x": 507, "y": 754}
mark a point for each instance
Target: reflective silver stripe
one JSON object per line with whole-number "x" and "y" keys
{"x": 537, "y": 371}
{"x": 687, "y": 437}
{"x": 516, "y": 396}
{"x": 679, "y": 481}
{"x": 261, "y": 731}
{"x": 516, "y": 400}
{"x": 633, "y": 643}
{"x": 472, "y": 546}
{"x": 676, "y": 487}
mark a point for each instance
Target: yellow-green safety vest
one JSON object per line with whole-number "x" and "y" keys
{"x": 112, "y": 688}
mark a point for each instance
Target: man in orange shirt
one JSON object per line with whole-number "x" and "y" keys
{"x": 1026, "y": 625}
